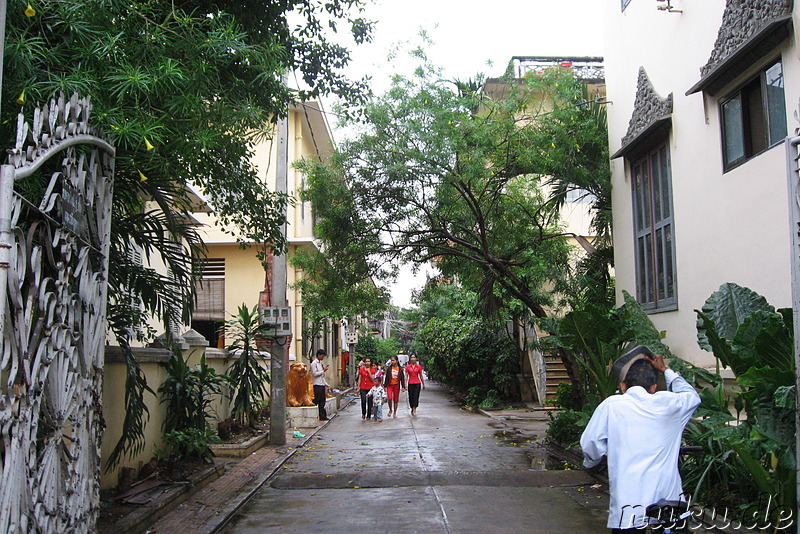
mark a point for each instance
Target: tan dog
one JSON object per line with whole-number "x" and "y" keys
{"x": 299, "y": 389}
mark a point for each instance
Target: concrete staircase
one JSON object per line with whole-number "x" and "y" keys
{"x": 556, "y": 374}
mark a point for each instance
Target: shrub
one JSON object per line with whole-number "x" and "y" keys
{"x": 248, "y": 376}
{"x": 564, "y": 397}
{"x": 189, "y": 444}
{"x": 566, "y": 427}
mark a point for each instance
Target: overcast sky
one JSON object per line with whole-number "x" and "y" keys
{"x": 471, "y": 37}
{"x": 468, "y": 34}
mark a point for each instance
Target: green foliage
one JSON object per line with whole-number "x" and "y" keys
{"x": 379, "y": 350}
{"x": 248, "y": 375}
{"x": 135, "y": 410}
{"x": 452, "y": 170}
{"x": 201, "y": 82}
{"x": 718, "y": 476}
{"x": 593, "y": 337}
{"x": 748, "y": 335}
{"x": 566, "y": 427}
{"x": 188, "y": 444}
{"x": 573, "y": 143}
{"x": 565, "y": 397}
{"x": 188, "y": 393}
{"x": 470, "y": 353}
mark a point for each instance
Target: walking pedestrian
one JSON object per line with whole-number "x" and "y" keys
{"x": 393, "y": 379}
{"x": 415, "y": 381}
{"x": 378, "y": 394}
{"x": 320, "y": 385}
{"x": 365, "y": 382}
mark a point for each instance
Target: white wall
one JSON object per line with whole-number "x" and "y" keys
{"x": 730, "y": 227}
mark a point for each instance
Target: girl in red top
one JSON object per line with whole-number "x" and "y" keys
{"x": 416, "y": 382}
{"x": 393, "y": 380}
{"x": 366, "y": 377}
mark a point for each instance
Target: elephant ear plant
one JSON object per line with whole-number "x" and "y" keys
{"x": 248, "y": 374}
{"x": 756, "y": 341}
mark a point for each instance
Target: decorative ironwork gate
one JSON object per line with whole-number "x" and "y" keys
{"x": 54, "y": 243}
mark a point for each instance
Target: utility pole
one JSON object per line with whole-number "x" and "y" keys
{"x": 279, "y": 360}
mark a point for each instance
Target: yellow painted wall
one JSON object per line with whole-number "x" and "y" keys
{"x": 114, "y": 414}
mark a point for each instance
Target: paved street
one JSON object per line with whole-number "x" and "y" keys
{"x": 446, "y": 471}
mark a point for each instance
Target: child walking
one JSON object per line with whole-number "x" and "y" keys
{"x": 378, "y": 394}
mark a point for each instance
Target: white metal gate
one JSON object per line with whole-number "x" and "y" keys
{"x": 53, "y": 279}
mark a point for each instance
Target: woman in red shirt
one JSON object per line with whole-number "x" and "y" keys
{"x": 416, "y": 382}
{"x": 393, "y": 380}
{"x": 365, "y": 382}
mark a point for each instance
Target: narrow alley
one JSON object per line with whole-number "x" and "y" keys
{"x": 447, "y": 470}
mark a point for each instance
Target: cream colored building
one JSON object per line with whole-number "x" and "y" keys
{"x": 701, "y": 97}
{"x": 234, "y": 276}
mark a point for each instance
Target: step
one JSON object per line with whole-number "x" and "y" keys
{"x": 558, "y": 377}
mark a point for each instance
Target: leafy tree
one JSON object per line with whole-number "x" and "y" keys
{"x": 183, "y": 89}
{"x": 473, "y": 354}
{"x": 341, "y": 281}
{"x": 380, "y": 350}
{"x": 443, "y": 171}
{"x": 573, "y": 143}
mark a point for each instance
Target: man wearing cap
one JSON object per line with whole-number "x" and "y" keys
{"x": 640, "y": 433}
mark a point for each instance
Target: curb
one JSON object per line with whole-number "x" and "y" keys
{"x": 139, "y": 520}
{"x": 244, "y": 497}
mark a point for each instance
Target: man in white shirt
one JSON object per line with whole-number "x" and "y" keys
{"x": 320, "y": 385}
{"x": 640, "y": 433}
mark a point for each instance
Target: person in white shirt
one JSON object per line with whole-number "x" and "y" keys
{"x": 320, "y": 385}
{"x": 378, "y": 395}
{"x": 640, "y": 432}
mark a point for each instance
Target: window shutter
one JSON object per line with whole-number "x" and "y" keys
{"x": 210, "y": 304}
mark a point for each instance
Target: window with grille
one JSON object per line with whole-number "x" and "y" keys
{"x": 656, "y": 287}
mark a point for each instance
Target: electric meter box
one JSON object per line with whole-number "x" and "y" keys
{"x": 280, "y": 317}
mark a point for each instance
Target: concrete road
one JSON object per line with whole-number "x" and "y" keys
{"x": 445, "y": 471}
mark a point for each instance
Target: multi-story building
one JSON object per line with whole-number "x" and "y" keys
{"x": 234, "y": 276}
{"x": 701, "y": 97}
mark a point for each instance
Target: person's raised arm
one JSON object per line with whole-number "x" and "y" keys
{"x": 688, "y": 396}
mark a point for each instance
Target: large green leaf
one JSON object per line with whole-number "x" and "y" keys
{"x": 762, "y": 339}
{"x": 586, "y": 330}
{"x": 727, "y": 308}
{"x": 640, "y": 328}
{"x": 786, "y": 397}
{"x": 761, "y": 477}
{"x": 755, "y": 377}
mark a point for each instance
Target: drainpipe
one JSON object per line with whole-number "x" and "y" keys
{"x": 793, "y": 181}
